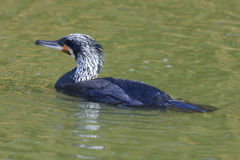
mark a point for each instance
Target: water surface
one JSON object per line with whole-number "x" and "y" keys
{"x": 188, "y": 49}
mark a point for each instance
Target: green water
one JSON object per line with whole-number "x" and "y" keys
{"x": 189, "y": 49}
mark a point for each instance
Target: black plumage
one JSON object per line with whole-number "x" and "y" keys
{"x": 82, "y": 81}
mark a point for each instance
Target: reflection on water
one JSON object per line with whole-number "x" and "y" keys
{"x": 88, "y": 147}
{"x": 89, "y": 113}
{"x": 83, "y": 157}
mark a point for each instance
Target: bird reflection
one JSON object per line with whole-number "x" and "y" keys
{"x": 88, "y": 115}
{"x": 91, "y": 111}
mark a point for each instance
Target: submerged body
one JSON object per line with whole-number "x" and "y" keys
{"x": 82, "y": 81}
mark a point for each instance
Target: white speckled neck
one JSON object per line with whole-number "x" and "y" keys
{"x": 89, "y": 63}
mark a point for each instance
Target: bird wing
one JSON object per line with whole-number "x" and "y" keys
{"x": 100, "y": 90}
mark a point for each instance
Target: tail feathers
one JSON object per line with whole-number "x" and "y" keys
{"x": 189, "y": 107}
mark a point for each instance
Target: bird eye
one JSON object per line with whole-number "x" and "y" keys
{"x": 61, "y": 43}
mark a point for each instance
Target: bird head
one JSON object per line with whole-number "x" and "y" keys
{"x": 77, "y": 45}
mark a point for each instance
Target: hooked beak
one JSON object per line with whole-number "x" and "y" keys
{"x": 54, "y": 45}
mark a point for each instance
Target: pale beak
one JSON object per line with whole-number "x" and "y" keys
{"x": 54, "y": 45}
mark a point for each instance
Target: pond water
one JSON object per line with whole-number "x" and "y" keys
{"x": 189, "y": 49}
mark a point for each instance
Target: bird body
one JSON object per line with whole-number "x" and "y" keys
{"x": 82, "y": 81}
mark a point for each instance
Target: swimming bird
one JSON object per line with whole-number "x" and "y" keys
{"x": 82, "y": 81}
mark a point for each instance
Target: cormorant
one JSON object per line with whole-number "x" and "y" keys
{"x": 81, "y": 81}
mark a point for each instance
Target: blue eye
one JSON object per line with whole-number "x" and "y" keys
{"x": 61, "y": 43}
